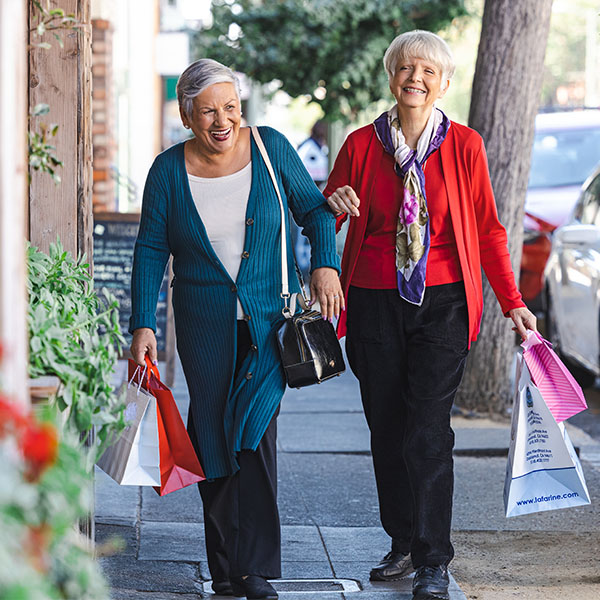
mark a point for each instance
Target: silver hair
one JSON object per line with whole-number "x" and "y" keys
{"x": 200, "y": 75}
{"x": 419, "y": 44}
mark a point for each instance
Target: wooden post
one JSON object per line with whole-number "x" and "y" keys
{"x": 13, "y": 197}
{"x": 61, "y": 78}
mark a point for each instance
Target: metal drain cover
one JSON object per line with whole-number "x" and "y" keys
{"x": 307, "y": 586}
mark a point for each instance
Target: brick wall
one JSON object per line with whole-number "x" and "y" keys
{"x": 103, "y": 117}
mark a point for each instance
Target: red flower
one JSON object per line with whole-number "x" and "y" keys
{"x": 40, "y": 448}
{"x": 12, "y": 418}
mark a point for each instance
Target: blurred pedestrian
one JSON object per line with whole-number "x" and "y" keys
{"x": 423, "y": 223}
{"x": 314, "y": 153}
{"x": 210, "y": 203}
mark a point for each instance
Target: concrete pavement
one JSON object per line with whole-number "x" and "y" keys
{"x": 331, "y": 535}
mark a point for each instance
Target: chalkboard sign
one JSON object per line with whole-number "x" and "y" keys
{"x": 114, "y": 239}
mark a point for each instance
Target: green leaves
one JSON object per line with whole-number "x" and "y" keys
{"x": 41, "y": 153}
{"x": 74, "y": 334}
{"x": 44, "y": 19}
{"x": 41, "y": 555}
{"x": 335, "y": 45}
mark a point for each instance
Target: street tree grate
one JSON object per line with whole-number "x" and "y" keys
{"x": 308, "y": 586}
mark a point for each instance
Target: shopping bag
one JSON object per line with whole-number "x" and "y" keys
{"x": 133, "y": 459}
{"x": 543, "y": 471}
{"x": 179, "y": 465}
{"x": 563, "y": 395}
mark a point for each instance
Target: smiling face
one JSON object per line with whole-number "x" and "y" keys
{"x": 417, "y": 84}
{"x": 216, "y": 118}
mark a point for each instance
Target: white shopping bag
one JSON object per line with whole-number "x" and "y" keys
{"x": 543, "y": 471}
{"x": 134, "y": 459}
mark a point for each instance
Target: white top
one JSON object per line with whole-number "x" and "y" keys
{"x": 221, "y": 203}
{"x": 314, "y": 158}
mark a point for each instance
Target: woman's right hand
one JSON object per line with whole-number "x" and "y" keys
{"x": 144, "y": 342}
{"x": 344, "y": 200}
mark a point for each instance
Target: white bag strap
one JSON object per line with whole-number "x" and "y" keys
{"x": 285, "y": 290}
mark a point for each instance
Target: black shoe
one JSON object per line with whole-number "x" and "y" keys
{"x": 393, "y": 567}
{"x": 253, "y": 587}
{"x": 430, "y": 583}
{"x": 222, "y": 588}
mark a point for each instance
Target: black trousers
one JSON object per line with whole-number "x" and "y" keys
{"x": 241, "y": 517}
{"x": 409, "y": 361}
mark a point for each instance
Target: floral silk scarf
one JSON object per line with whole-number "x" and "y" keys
{"x": 412, "y": 232}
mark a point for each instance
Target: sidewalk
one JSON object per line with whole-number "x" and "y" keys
{"x": 331, "y": 535}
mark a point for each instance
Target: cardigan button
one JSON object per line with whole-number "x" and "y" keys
{"x": 234, "y": 288}
{"x": 245, "y": 254}
{"x": 248, "y": 376}
{"x": 247, "y": 317}
{"x": 249, "y": 221}
{"x": 254, "y": 347}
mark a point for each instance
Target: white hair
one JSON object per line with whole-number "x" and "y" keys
{"x": 419, "y": 44}
{"x": 200, "y": 75}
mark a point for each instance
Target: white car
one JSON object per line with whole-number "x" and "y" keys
{"x": 566, "y": 148}
{"x": 572, "y": 286}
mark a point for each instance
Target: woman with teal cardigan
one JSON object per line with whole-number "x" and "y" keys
{"x": 210, "y": 203}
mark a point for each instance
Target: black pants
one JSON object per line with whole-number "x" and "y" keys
{"x": 241, "y": 518}
{"x": 409, "y": 361}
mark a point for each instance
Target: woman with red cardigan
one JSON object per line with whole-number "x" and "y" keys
{"x": 423, "y": 222}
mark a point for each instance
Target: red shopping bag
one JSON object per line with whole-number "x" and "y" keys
{"x": 562, "y": 394}
{"x": 179, "y": 465}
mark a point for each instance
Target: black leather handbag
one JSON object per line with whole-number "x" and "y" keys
{"x": 309, "y": 347}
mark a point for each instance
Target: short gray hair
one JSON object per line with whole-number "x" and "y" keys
{"x": 200, "y": 75}
{"x": 419, "y": 44}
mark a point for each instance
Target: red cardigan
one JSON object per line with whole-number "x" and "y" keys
{"x": 480, "y": 237}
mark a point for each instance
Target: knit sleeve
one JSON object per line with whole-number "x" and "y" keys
{"x": 151, "y": 251}
{"x": 493, "y": 241}
{"x": 307, "y": 203}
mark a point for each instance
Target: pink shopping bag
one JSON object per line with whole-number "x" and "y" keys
{"x": 562, "y": 393}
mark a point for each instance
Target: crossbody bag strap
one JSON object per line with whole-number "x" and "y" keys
{"x": 285, "y": 289}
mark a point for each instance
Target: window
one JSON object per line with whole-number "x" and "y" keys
{"x": 586, "y": 211}
{"x": 561, "y": 158}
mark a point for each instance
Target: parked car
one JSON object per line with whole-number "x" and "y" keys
{"x": 572, "y": 286}
{"x": 566, "y": 149}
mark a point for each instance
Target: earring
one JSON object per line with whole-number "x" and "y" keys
{"x": 187, "y": 126}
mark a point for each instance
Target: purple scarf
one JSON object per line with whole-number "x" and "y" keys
{"x": 412, "y": 235}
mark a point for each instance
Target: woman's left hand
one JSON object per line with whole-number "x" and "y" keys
{"x": 523, "y": 319}
{"x": 325, "y": 287}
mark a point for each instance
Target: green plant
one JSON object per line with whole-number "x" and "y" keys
{"x": 75, "y": 335}
{"x": 46, "y": 19}
{"x": 41, "y": 153}
{"x": 44, "y": 490}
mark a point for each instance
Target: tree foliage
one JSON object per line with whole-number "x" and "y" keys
{"x": 326, "y": 49}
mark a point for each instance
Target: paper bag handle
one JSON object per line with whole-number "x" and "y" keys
{"x": 152, "y": 368}
{"x": 534, "y": 339}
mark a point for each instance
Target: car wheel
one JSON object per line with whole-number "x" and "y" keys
{"x": 583, "y": 377}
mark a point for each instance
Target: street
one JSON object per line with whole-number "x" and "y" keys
{"x": 331, "y": 535}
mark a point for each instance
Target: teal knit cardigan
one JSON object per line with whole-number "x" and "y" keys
{"x": 227, "y": 415}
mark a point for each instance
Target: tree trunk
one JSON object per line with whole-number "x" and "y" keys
{"x": 504, "y": 101}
